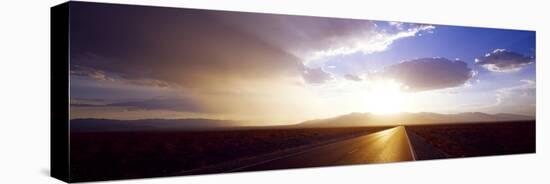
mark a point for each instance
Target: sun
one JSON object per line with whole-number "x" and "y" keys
{"x": 386, "y": 97}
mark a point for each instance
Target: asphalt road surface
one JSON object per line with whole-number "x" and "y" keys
{"x": 390, "y": 145}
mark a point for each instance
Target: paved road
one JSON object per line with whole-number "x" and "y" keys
{"x": 389, "y": 145}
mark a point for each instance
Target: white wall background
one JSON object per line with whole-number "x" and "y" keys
{"x": 24, "y": 91}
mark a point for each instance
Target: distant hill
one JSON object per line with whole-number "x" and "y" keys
{"x": 369, "y": 119}
{"x": 101, "y": 125}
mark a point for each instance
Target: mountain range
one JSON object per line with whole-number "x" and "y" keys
{"x": 369, "y": 119}
{"x": 348, "y": 120}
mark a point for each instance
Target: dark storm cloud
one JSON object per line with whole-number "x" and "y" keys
{"x": 196, "y": 47}
{"x": 352, "y": 77}
{"x": 429, "y": 73}
{"x": 501, "y": 60}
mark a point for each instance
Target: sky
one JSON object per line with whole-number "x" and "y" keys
{"x": 136, "y": 62}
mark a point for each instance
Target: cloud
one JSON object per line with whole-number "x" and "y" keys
{"x": 397, "y": 25}
{"x": 375, "y": 41}
{"x": 166, "y": 104}
{"x": 211, "y": 55}
{"x": 177, "y": 104}
{"x": 301, "y": 35}
{"x": 526, "y": 89}
{"x": 88, "y": 72}
{"x": 316, "y": 75}
{"x": 520, "y": 99}
{"x": 429, "y": 73}
{"x": 501, "y": 60}
{"x": 213, "y": 48}
{"x": 190, "y": 48}
{"x": 352, "y": 77}
{"x": 100, "y": 75}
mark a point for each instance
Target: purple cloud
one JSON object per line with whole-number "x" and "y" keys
{"x": 501, "y": 60}
{"x": 429, "y": 73}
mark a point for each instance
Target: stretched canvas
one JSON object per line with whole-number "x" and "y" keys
{"x": 142, "y": 91}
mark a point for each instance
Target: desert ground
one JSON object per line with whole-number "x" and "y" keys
{"x": 135, "y": 154}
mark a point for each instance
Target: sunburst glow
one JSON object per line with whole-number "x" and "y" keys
{"x": 386, "y": 97}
